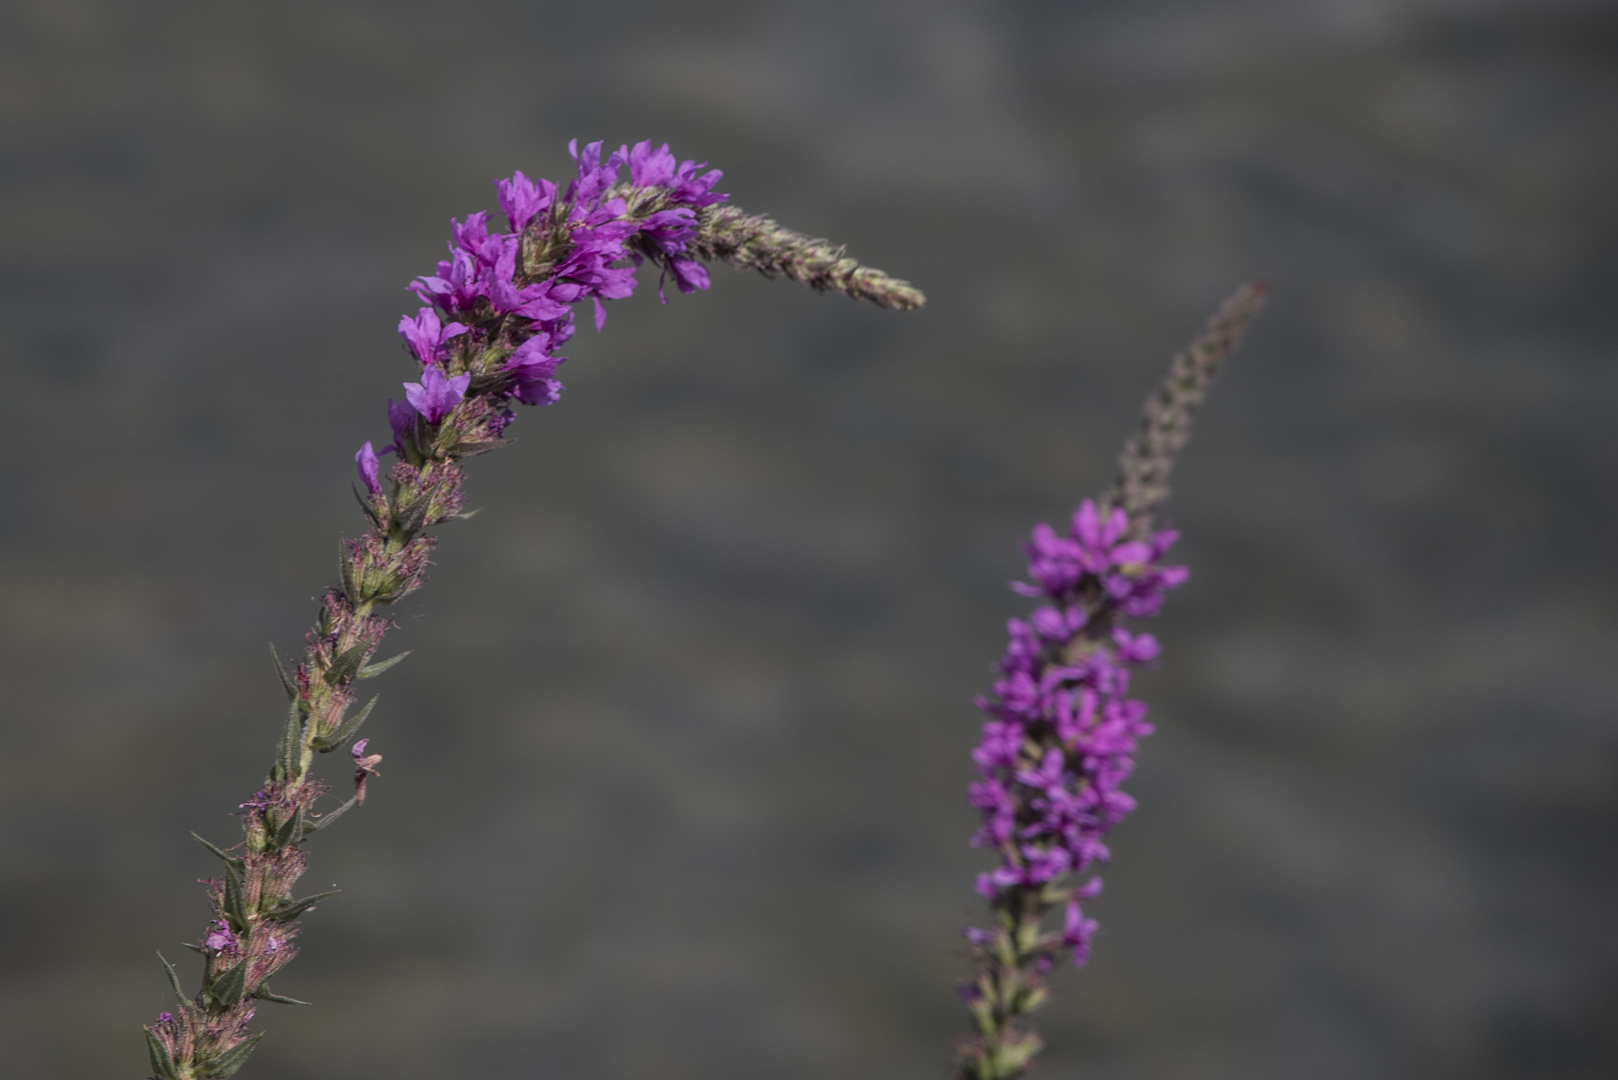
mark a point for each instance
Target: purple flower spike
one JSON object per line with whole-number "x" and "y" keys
{"x": 367, "y": 463}
{"x": 436, "y": 395}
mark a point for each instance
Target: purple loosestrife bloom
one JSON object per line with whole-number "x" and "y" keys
{"x": 427, "y": 334}
{"x": 1052, "y": 761}
{"x": 436, "y": 395}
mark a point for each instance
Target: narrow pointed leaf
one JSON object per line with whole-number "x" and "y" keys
{"x": 371, "y": 671}
{"x": 346, "y": 664}
{"x": 287, "y": 683}
{"x": 292, "y": 742}
{"x": 366, "y": 506}
{"x": 234, "y": 903}
{"x": 227, "y": 1063}
{"x": 316, "y": 824}
{"x": 346, "y": 729}
{"x": 174, "y": 980}
{"x": 291, "y": 830}
{"x": 288, "y": 912}
{"x": 263, "y": 994}
{"x": 229, "y": 859}
{"x": 228, "y": 988}
{"x": 162, "y": 1064}
{"x": 350, "y": 588}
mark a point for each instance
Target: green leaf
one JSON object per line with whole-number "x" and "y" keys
{"x": 346, "y": 728}
{"x": 292, "y": 742}
{"x": 234, "y": 903}
{"x": 370, "y": 512}
{"x": 291, "y": 830}
{"x": 263, "y": 994}
{"x": 346, "y": 664}
{"x": 228, "y": 988}
{"x": 288, "y": 912}
{"x": 287, "y": 682}
{"x": 230, "y": 860}
{"x": 162, "y": 1064}
{"x": 227, "y": 1063}
{"x": 327, "y": 818}
{"x": 350, "y": 588}
{"x": 174, "y": 980}
{"x": 371, "y": 671}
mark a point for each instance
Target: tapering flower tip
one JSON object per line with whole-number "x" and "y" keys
{"x": 758, "y": 243}
{"x": 427, "y": 334}
{"x": 436, "y": 395}
{"x": 522, "y": 198}
{"x": 365, "y": 460}
{"x": 1148, "y": 458}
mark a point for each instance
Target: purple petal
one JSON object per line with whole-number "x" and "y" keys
{"x": 367, "y": 463}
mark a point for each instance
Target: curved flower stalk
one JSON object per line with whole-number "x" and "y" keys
{"x": 496, "y": 312}
{"x": 1053, "y": 758}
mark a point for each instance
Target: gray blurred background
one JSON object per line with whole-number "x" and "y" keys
{"x": 674, "y": 778}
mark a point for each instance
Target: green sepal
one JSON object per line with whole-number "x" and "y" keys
{"x": 162, "y": 1064}
{"x": 408, "y": 519}
{"x": 291, "y": 743}
{"x": 346, "y": 664}
{"x": 263, "y": 994}
{"x": 194, "y": 947}
{"x": 174, "y": 980}
{"x": 346, "y": 729}
{"x": 330, "y": 816}
{"x": 287, "y": 682}
{"x": 371, "y": 671}
{"x": 346, "y": 566}
{"x": 233, "y": 902}
{"x": 472, "y": 448}
{"x": 365, "y": 505}
{"x": 229, "y": 860}
{"x": 290, "y": 911}
{"x": 227, "y": 990}
{"x": 227, "y": 1063}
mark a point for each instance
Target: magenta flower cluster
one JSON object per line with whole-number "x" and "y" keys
{"x": 1052, "y": 761}
{"x": 490, "y": 292}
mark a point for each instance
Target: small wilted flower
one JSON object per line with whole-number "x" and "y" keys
{"x": 364, "y": 768}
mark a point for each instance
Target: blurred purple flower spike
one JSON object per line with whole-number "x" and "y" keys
{"x": 1052, "y": 761}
